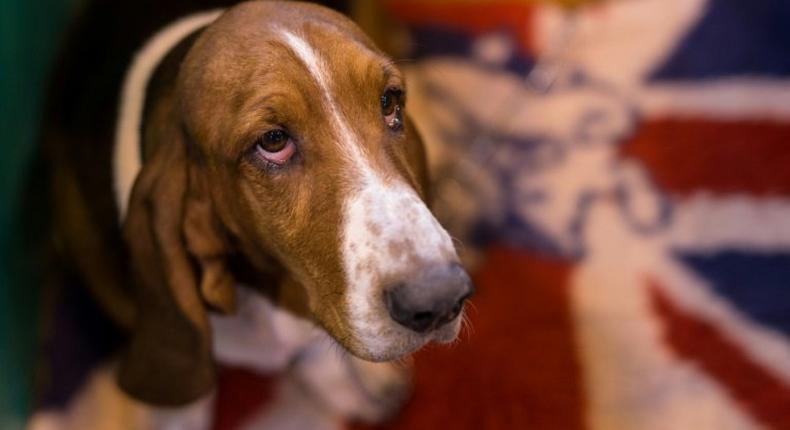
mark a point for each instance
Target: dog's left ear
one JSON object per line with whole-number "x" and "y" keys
{"x": 207, "y": 243}
{"x": 177, "y": 258}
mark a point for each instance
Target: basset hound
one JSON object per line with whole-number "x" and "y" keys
{"x": 269, "y": 200}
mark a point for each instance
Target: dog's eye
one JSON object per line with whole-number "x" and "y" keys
{"x": 273, "y": 140}
{"x": 392, "y": 108}
{"x": 276, "y": 147}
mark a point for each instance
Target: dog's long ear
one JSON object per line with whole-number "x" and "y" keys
{"x": 173, "y": 241}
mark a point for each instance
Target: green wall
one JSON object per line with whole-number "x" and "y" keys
{"x": 30, "y": 32}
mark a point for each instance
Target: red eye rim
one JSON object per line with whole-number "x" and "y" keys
{"x": 275, "y": 147}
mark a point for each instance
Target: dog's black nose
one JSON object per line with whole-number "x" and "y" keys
{"x": 431, "y": 299}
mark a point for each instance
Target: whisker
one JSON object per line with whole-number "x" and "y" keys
{"x": 472, "y": 305}
{"x": 466, "y": 326}
{"x": 458, "y": 243}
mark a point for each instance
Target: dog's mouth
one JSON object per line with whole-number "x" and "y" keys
{"x": 393, "y": 342}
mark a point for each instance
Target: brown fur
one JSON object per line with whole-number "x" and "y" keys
{"x": 203, "y": 200}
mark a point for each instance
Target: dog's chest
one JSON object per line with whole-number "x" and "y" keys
{"x": 262, "y": 336}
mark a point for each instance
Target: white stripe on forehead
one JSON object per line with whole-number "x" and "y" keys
{"x": 386, "y": 230}
{"x": 317, "y": 67}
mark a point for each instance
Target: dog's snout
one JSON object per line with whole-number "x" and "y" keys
{"x": 429, "y": 299}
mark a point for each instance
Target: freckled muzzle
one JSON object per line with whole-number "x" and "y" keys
{"x": 430, "y": 298}
{"x": 404, "y": 286}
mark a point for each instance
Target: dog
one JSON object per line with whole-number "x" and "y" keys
{"x": 268, "y": 200}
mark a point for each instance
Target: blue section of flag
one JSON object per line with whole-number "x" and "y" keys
{"x": 734, "y": 37}
{"x": 441, "y": 41}
{"x": 757, "y": 284}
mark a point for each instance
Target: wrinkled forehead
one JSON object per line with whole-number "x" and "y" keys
{"x": 255, "y": 43}
{"x": 293, "y": 56}
{"x": 330, "y": 60}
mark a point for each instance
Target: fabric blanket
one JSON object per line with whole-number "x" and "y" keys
{"x": 619, "y": 175}
{"x": 623, "y": 170}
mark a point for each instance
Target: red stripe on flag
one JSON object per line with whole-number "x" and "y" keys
{"x": 241, "y": 395}
{"x": 689, "y": 155}
{"x": 765, "y": 397}
{"x": 518, "y": 368}
{"x": 477, "y": 18}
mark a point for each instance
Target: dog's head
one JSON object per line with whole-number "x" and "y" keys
{"x": 285, "y": 141}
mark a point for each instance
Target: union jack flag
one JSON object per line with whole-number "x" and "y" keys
{"x": 624, "y": 172}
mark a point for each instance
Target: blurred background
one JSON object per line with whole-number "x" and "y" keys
{"x": 30, "y": 33}
{"x": 619, "y": 174}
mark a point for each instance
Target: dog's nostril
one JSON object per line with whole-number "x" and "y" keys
{"x": 401, "y": 308}
{"x": 424, "y": 316}
{"x": 459, "y": 305}
{"x": 457, "y": 308}
{"x": 422, "y": 321}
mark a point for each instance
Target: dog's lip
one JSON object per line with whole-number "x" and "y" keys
{"x": 399, "y": 341}
{"x": 413, "y": 342}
